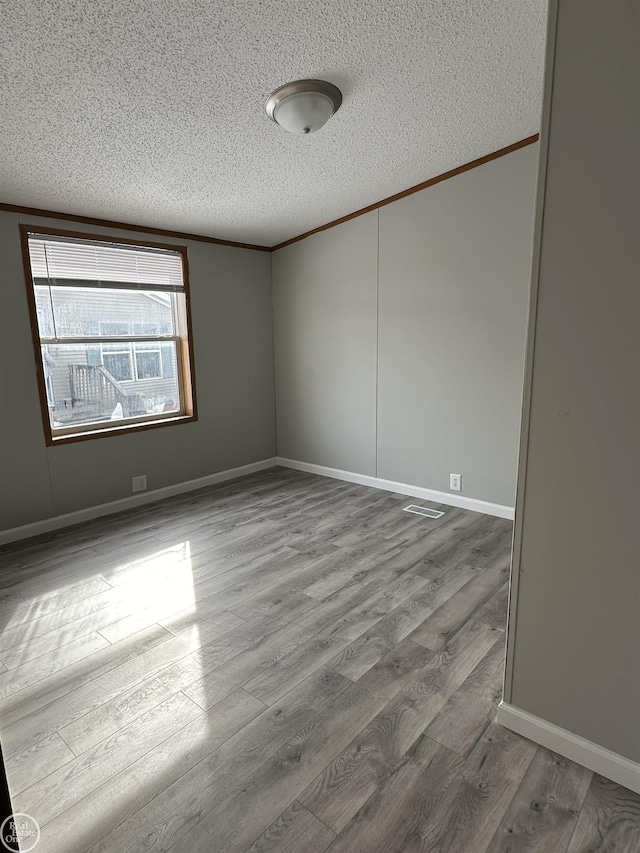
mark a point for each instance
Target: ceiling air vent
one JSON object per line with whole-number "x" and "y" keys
{"x": 423, "y": 510}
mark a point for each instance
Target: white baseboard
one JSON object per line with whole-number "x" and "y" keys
{"x": 461, "y": 501}
{"x": 47, "y": 524}
{"x": 571, "y": 746}
{"x": 56, "y": 522}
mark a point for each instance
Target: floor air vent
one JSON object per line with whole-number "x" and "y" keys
{"x": 423, "y": 510}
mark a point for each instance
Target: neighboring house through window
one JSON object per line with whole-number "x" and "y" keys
{"x": 111, "y": 333}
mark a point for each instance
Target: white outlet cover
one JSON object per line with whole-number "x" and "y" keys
{"x": 455, "y": 482}
{"x": 139, "y": 484}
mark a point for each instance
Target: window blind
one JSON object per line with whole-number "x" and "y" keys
{"x": 73, "y": 262}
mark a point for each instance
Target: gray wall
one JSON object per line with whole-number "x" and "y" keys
{"x": 400, "y": 335}
{"x": 575, "y": 610}
{"x": 324, "y": 316}
{"x": 233, "y": 340}
{"x": 454, "y": 284}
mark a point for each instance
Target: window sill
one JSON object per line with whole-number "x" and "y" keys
{"x": 91, "y": 433}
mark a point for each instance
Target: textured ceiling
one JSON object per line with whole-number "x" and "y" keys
{"x": 151, "y": 111}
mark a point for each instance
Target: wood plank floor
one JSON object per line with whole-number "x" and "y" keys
{"x": 280, "y": 663}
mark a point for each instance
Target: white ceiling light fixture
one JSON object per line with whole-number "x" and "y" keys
{"x": 304, "y": 106}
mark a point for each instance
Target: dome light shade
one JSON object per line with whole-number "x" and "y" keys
{"x": 304, "y": 106}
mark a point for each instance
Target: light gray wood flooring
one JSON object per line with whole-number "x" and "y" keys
{"x": 279, "y": 663}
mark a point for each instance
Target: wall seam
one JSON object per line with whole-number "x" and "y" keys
{"x": 377, "y": 339}
{"x": 273, "y": 345}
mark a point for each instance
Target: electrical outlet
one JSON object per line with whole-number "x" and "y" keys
{"x": 455, "y": 482}
{"x": 139, "y": 484}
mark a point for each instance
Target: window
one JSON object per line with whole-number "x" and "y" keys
{"x": 111, "y": 332}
